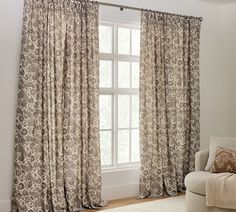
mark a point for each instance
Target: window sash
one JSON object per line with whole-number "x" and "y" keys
{"x": 115, "y": 91}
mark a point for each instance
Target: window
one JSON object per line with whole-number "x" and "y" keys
{"x": 119, "y": 100}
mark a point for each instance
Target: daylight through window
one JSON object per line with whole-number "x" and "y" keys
{"x": 119, "y": 100}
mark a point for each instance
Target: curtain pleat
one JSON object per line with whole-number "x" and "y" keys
{"x": 169, "y": 101}
{"x": 57, "y": 154}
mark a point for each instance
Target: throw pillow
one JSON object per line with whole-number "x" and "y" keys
{"x": 228, "y": 143}
{"x": 225, "y": 161}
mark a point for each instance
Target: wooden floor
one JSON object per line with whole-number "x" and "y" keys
{"x": 127, "y": 201}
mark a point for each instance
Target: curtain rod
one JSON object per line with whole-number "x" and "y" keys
{"x": 122, "y": 7}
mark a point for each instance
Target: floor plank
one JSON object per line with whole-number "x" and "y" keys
{"x": 127, "y": 201}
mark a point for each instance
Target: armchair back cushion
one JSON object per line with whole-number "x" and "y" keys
{"x": 215, "y": 142}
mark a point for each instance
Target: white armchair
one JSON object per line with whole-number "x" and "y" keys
{"x": 196, "y": 186}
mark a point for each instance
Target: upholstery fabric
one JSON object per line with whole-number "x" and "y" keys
{"x": 57, "y": 154}
{"x": 215, "y": 142}
{"x": 169, "y": 101}
{"x": 225, "y": 161}
{"x": 196, "y": 182}
{"x": 201, "y": 159}
{"x": 196, "y": 202}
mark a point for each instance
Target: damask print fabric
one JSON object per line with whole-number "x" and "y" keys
{"x": 169, "y": 101}
{"x": 57, "y": 154}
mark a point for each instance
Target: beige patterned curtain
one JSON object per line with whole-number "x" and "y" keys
{"x": 169, "y": 101}
{"x": 57, "y": 153}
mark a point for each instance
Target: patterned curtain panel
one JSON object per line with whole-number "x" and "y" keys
{"x": 57, "y": 154}
{"x": 169, "y": 101}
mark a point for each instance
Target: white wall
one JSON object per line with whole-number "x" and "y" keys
{"x": 217, "y": 80}
{"x": 229, "y": 36}
{"x": 10, "y": 35}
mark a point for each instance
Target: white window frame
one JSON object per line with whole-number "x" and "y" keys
{"x": 115, "y": 91}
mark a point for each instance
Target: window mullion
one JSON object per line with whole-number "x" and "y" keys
{"x": 130, "y": 126}
{"x": 130, "y": 43}
{"x": 115, "y": 150}
{"x": 130, "y": 109}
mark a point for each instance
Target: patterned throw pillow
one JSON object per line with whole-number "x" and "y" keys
{"x": 225, "y": 161}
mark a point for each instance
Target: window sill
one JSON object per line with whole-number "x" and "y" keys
{"x": 121, "y": 168}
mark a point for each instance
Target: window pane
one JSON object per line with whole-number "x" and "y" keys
{"x": 105, "y": 145}
{"x": 135, "y": 75}
{"x": 135, "y": 42}
{"x": 105, "y": 39}
{"x": 123, "y": 41}
{"x": 105, "y": 76}
{"x": 135, "y": 146}
{"x": 135, "y": 111}
{"x": 123, "y": 111}
{"x": 105, "y": 103}
{"x": 123, "y": 146}
{"x": 123, "y": 74}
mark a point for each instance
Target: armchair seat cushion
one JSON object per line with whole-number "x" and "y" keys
{"x": 196, "y": 182}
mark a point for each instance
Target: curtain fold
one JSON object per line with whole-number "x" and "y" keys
{"x": 169, "y": 101}
{"x": 57, "y": 154}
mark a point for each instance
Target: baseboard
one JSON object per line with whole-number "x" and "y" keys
{"x": 120, "y": 191}
{"x": 108, "y": 193}
{"x": 5, "y": 206}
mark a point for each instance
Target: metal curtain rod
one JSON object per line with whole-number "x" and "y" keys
{"x": 122, "y": 7}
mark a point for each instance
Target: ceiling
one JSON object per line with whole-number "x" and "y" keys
{"x": 220, "y": 1}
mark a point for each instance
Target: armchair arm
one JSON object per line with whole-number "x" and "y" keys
{"x": 201, "y": 158}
